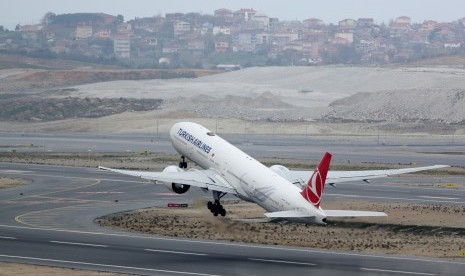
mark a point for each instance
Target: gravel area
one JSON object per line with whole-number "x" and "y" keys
{"x": 410, "y": 229}
{"x": 12, "y": 269}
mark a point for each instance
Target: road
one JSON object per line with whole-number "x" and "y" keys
{"x": 51, "y": 222}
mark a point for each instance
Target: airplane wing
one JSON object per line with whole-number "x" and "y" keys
{"x": 301, "y": 177}
{"x": 207, "y": 179}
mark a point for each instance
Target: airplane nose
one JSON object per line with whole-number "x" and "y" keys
{"x": 174, "y": 129}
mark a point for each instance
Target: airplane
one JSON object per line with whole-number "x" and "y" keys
{"x": 285, "y": 194}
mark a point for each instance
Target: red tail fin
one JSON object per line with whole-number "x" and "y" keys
{"x": 314, "y": 189}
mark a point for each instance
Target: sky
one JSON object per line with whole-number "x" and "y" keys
{"x": 23, "y": 12}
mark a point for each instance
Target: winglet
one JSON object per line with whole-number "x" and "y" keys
{"x": 316, "y": 184}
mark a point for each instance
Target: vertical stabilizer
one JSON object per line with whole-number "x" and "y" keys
{"x": 314, "y": 189}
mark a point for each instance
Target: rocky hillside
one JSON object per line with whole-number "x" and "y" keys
{"x": 32, "y": 108}
{"x": 429, "y": 105}
{"x": 265, "y": 106}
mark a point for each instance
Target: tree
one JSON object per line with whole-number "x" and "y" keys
{"x": 119, "y": 19}
{"x": 48, "y": 18}
{"x": 18, "y": 28}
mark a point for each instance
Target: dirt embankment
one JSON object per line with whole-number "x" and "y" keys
{"x": 426, "y": 105}
{"x": 410, "y": 229}
{"x": 44, "y": 79}
{"x": 31, "y": 108}
{"x": 8, "y": 182}
{"x": 11, "y": 269}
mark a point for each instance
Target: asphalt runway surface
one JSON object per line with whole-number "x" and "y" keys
{"x": 51, "y": 221}
{"x": 401, "y": 149}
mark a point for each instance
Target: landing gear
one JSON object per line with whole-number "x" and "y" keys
{"x": 215, "y": 207}
{"x": 183, "y": 163}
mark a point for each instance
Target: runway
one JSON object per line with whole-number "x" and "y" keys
{"x": 388, "y": 149}
{"x": 128, "y": 253}
{"x": 51, "y": 222}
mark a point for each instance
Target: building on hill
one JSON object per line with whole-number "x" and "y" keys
{"x": 365, "y": 22}
{"x": 312, "y": 23}
{"x": 347, "y": 23}
{"x": 31, "y": 28}
{"x": 221, "y": 30}
{"x": 84, "y": 31}
{"x": 349, "y": 37}
{"x": 224, "y": 16}
{"x": 122, "y": 47}
{"x": 103, "y": 33}
{"x": 176, "y": 16}
{"x": 244, "y": 14}
{"x": 402, "y": 20}
{"x": 462, "y": 22}
{"x": 181, "y": 27}
{"x": 221, "y": 46}
{"x": 428, "y": 25}
{"x": 262, "y": 21}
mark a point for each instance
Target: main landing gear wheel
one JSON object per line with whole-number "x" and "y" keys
{"x": 216, "y": 208}
{"x": 183, "y": 163}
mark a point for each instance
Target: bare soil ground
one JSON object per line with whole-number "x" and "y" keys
{"x": 12, "y": 269}
{"x": 455, "y": 61}
{"x": 263, "y": 95}
{"x": 410, "y": 229}
{"x": 7, "y": 182}
{"x": 27, "y": 80}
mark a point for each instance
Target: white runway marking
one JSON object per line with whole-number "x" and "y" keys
{"x": 78, "y": 243}
{"x": 97, "y": 193}
{"x": 176, "y": 252}
{"x": 439, "y": 197}
{"x": 278, "y": 261}
{"x": 14, "y": 171}
{"x": 396, "y": 271}
{"x": 106, "y": 265}
{"x": 7, "y": 238}
{"x": 383, "y": 190}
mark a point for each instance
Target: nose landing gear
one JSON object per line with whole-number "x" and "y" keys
{"x": 183, "y": 163}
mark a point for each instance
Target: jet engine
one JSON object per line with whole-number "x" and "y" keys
{"x": 175, "y": 187}
{"x": 279, "y": 169}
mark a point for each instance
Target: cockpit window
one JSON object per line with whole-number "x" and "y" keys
{"x": 211, "y": 133}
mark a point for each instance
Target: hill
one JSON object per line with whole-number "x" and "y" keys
{"x": 453, "y": 61}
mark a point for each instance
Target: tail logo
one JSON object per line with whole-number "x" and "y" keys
{"x": 312, "y": 191}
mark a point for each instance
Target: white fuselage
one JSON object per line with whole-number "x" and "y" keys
{"x": 252, "y": 180}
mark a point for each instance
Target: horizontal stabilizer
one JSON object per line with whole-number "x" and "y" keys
{"x": 288, "y": 214}
{"x": 348, "y": 213}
